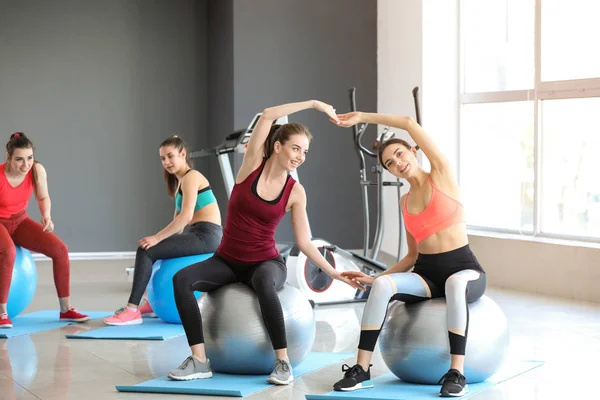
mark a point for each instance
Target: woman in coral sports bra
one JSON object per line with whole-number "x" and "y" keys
{"x": 20, "y": 176}
{"x": 438, "y": 248}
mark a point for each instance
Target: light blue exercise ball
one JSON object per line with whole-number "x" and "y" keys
{"x": 23, "y": 359}
{"x": 160, "y": 288}
{"x": 23, "y": 282}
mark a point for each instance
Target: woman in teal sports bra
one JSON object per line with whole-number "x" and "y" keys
{"x": 196, "y": 211}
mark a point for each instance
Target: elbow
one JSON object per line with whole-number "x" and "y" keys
{"x": 410, "y": 122}
{"x": 186, "y": 217}
{"x": 268, "y": 114}
{"x": 303, "y": 245}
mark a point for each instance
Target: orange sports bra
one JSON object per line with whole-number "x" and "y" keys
{"x": 441, "y": 212}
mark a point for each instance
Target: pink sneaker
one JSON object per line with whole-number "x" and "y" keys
{"x": 73, "y": 315}
{"x": 124, "y": 316}
{"x": 5, "y": 321}
{"x": 146, "y": 310}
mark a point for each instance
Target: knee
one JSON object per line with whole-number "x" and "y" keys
{"x": 8, "y": 254}
{"x": 62, "y": 250}
{"x": 180, "y": 281}
{"x": 382, "y": 286}
{"x": 455, "y": 286}
{"x": 263, "y": 284}
{"x": 58, "y": 251}
{"x": 141, "y": 253}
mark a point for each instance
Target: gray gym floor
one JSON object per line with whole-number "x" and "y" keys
{"x": 564, "y": 334}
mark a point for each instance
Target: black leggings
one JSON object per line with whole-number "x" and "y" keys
{"x": 456, "y": 275}
{"x": 199, "y": 238}
{"x": 265, "y": 278}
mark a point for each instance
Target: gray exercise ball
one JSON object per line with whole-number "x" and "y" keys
{"x": 235, "y": 335}
{"x": 414, "y": 340}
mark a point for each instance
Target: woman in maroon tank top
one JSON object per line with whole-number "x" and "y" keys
{"x": 20, "y": 176}
{"x": 264, "y": 191}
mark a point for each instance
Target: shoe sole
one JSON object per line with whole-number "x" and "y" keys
{"x": 5, "y": 326}
{"x": 198, "y": 375}
{"x": 280, "y": 382}
{"x": 75, "y": 319}
{"x": 459, "y": 394}
{"x": 150, "y": 315}
{"x": 363, "y": 385}
{"x": 132, "y": 322}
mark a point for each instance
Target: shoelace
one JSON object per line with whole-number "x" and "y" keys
{"x": 186, "y": 362}
{"x": 120, "y": 311}
{"x": 4, "y": 316}
{"x": 281, "y": 365}
{"x": 452, "y": 375}
{"x": 350, "y": 371}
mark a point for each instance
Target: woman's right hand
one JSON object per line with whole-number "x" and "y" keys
{"x": 347, "y": 120}
{"x": 326, "y": 108}
{"x": 358, "y": 276}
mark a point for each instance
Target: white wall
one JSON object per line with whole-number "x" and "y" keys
{"x": 399, "y": 69}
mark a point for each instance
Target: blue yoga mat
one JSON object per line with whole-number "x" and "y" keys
{"x": 39, "y": 321}
{"x": 151, "y": 329}
{"x": 389, "y": 387}
{"x": 231, "y": 385}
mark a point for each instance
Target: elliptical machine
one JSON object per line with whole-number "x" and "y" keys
{"x": 379, "y": 182}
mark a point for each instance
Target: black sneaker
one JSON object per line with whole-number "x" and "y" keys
{"x": 454, "y": 384}
{"x": 354, "y": 378}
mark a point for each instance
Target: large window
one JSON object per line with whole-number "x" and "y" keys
{"x": 530, "y": 116}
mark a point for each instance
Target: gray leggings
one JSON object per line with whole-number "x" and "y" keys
{"x": 200, "y": 238}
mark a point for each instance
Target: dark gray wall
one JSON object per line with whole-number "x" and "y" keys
{"x": 98, "y": 85}
{"x": 220, "y": 87}
{"x": 291, "y": 50}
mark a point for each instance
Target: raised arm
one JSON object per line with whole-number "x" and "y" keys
{"x": 437, "y": 159}
{"x": 303, "y": 240}
{"x": 254, "y": 154}
{"x": 43, "y": 197}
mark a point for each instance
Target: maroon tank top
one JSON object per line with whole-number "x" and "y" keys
{"x": 249, "y": 233}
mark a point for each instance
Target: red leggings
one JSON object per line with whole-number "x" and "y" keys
{"x": 22, "y": 231}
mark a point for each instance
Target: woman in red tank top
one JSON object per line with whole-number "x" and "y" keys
{"x": 438, "y": 248}
{"x": 264, "y": 191}
{"x": 20, "y": 176}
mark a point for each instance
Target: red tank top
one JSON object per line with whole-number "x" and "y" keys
{"x": 14, "y": 199}
{"x": 249, "y": 233}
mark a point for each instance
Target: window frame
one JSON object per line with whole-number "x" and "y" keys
{"x": 542, "y": 90}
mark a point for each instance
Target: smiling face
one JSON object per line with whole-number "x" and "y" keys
{"x": 172, "y": 159}
{"x": 21, "y": 160}
{"x": 399, "y": 159}
{"x": 292, "y": 153}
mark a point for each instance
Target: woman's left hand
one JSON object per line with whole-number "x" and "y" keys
{"x": 47, "y": 224}
{"x": 148, "y": 241}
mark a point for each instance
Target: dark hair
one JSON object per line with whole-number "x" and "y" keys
{"x": 282, "y": 133}
{"x": 171, "y": 179}
{"x": 385, "y": 144}
{"x": 18, "y": 140}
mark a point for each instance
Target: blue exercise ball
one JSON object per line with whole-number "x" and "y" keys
{"x": 23, "y": 282}
{"x": 160, "y": 288}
